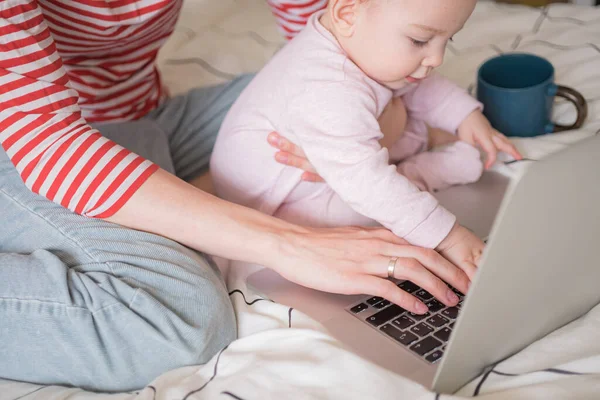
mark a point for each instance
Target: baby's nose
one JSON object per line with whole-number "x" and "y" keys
{"x": 434, "y": 60}
{"x": 422, "y": 72}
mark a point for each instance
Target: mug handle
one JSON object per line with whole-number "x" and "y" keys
{"x": 580, "y": 104}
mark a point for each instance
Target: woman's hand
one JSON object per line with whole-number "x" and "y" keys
{"x": 292, "y": 155}
{"x": 355, "y": 261}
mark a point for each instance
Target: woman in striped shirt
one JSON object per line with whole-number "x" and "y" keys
{"x": 102, "y": 283}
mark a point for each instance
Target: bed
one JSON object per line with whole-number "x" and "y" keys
{"x": 281, "y": 353}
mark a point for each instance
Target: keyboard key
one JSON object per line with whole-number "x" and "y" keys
{"x": 418, "y": 317}
{"x": 374, "y": 300}
{"x": 422, "y": 329}
{"x": 460, "y": 304}
{"x": 408, "y": 287}
{"x": 451, "y": 326}
{"x": 359, "y": 308}
{"x": 388, "y": 329}
{"x": 404, "y": 338}
{"x": 403, "y": 322}
{"x": 435, "y": 356}
{"x": 407, "y": 338}
{"x": 434, "y": 305}
{"x": 425, "y": 346}
{"x": 385, "y": 315}
{"x": 451, "y": 312}
{"x": 437, "y": 321}
{"x": 443, "y": 334}
{"x": 424, "y": 294}
{"x": 382, "y": 304}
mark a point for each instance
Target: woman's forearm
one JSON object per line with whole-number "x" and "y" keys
{"x": 339, "y": 260}
{"x": 167, "y": 206}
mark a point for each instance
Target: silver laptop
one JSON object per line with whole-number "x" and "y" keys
{"x": 540, "y": 270}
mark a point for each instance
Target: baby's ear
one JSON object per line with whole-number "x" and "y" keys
{"x": 343, "y": 15}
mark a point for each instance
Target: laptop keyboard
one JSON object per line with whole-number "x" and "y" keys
{"x": 425, "y": 335}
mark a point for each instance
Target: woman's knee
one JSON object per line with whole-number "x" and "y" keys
{"x": 212, "y": 321}
{"x": 163, "y": 335}
{"x": 192, "y": 311}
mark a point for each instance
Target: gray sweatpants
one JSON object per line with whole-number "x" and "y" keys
{"x": 92, "y": 304}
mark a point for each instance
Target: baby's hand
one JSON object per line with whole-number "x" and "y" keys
{"x": 463, "y": 249}
{"x": 476, "y": 130}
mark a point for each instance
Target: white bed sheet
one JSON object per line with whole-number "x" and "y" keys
{"x": 283, "y": 354}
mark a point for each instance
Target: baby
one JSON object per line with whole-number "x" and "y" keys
{"x": 356, "y": 92}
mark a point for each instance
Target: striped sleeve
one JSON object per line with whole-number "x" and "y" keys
{"x": 57, "y": 154}
{"x": 292, "y": 15}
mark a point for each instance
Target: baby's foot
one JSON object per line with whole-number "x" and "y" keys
{"x": 456, "y": 164}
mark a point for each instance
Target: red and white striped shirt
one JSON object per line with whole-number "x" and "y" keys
{"x": 292, "y": 15}
{"x": 66, "y": 63}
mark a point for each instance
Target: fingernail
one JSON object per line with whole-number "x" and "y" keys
{"x": 421, "y": 308}
{"x": 272, "y": 138}
{"x": 281, "y": 157}
{"x": 452, "y": 298}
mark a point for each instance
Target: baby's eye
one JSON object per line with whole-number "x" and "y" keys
{"x": 418, "y": 43}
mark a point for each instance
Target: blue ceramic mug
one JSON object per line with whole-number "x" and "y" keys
{"x": 518, "y": 90}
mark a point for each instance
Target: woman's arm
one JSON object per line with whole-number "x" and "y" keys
{"x": 343, "y": 260}
{"x": 170, "y": 207}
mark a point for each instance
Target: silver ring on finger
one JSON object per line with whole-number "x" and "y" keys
{"x": 392, "y": 267}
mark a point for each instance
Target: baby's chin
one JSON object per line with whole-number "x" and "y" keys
{"x": 395, "y": 85}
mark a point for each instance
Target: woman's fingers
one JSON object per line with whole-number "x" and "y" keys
{"x": 353, "y": 260}
{"x": 294, "y": 161}
{"x": 388, "y": 290}
{"x": 432, "y": 261}
{"x": 412, "y": 270}
{"x": 311, "y": 177}
{"x": 281, "y": 143}
{"x": 293, "y": 156}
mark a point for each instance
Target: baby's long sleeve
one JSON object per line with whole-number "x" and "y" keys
{"x": 336, "y": 126}
{"x": 440, "y": 103}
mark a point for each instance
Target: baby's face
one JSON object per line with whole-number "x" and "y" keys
{"x": 397, "y": 42}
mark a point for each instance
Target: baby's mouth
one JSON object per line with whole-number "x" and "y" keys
{"x": 410, "y": 79}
